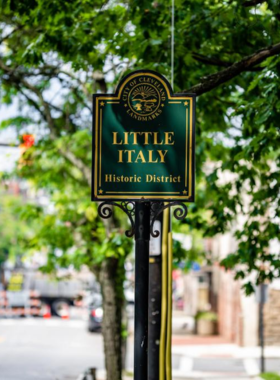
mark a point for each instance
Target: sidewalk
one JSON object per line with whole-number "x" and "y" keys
{"x": 213, "y": 346}
{"x": 213, "y": 357}
{"x": 208, "y": 358}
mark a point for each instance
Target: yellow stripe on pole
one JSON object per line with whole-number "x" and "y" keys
{"x": 163, "y": 324}
{"x": 169, "y": 308}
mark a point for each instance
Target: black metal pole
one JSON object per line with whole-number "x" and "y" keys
{"x": 261, "y": 325}
{"x": 142, "y": 238}
{"x": 155, "y": 309}
{"x": 154, "y": 318}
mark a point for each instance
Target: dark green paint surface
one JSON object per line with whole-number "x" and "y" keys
{"x": 143, "y": 103}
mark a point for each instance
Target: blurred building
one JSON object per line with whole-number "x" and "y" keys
{"x": 212, "y": 288}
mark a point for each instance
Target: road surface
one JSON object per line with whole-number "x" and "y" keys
{"x": 47, "y": 349}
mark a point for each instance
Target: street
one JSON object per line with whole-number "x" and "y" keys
{"x": 50, "y": 349}
{"x": 55, "y": 349}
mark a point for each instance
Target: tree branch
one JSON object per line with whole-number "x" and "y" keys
{"x": 9, "y": 145}
{"x": 68, "y": 155}
{"x": 212, "y": 81}
{"x": 252, "y": 3}
{"x": 4, "y": 38}
{"x": 217, "y": 62}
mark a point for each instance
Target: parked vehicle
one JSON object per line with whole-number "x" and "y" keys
{"x": 95, "y": 313}
{"x": 29, "y": 292}
{"x": 95, "y": 310}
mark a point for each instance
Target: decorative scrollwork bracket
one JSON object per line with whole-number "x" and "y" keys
{"x": 180, "y": 212}
{"x": 105, "y": 212}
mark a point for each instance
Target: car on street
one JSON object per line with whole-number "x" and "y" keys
{"x": 95, "y": 313}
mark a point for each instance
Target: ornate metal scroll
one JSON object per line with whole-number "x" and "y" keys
{"x": 180, "y": 212}
{"x": 105, "y": 212}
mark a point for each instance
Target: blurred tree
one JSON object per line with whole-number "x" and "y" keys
{"x": 12, "y": 231}
{"x": 54, "y": 54}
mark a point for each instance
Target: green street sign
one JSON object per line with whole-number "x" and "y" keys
{"x": 143, "y": 141}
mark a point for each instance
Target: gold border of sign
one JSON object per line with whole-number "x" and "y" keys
{"x": 98, "y": 146}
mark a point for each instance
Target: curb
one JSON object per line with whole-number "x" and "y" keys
{"x": 229, "y": 350}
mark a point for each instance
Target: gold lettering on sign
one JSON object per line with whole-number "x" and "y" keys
{"x": 140, "y": 157}
{"x": 120, "y": 156}
{"x": 129, "y": 153}
{"x": 168, "y": 137}
{"x": 125, "y": 138}
{"x": 163, "y": 179}
{"x": 151, "y": 157}
{"x": 115, "y": 134}
{"x": 156, "y": 139}
{"x": 146, "y": 142}
{"x": 162, "y": 154}
{"x": 142, "y": 138}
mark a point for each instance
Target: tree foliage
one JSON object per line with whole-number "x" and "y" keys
{"x": 12, "y": 231}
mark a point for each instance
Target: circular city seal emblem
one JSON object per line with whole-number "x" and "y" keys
{"x": 144, "y": 97}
